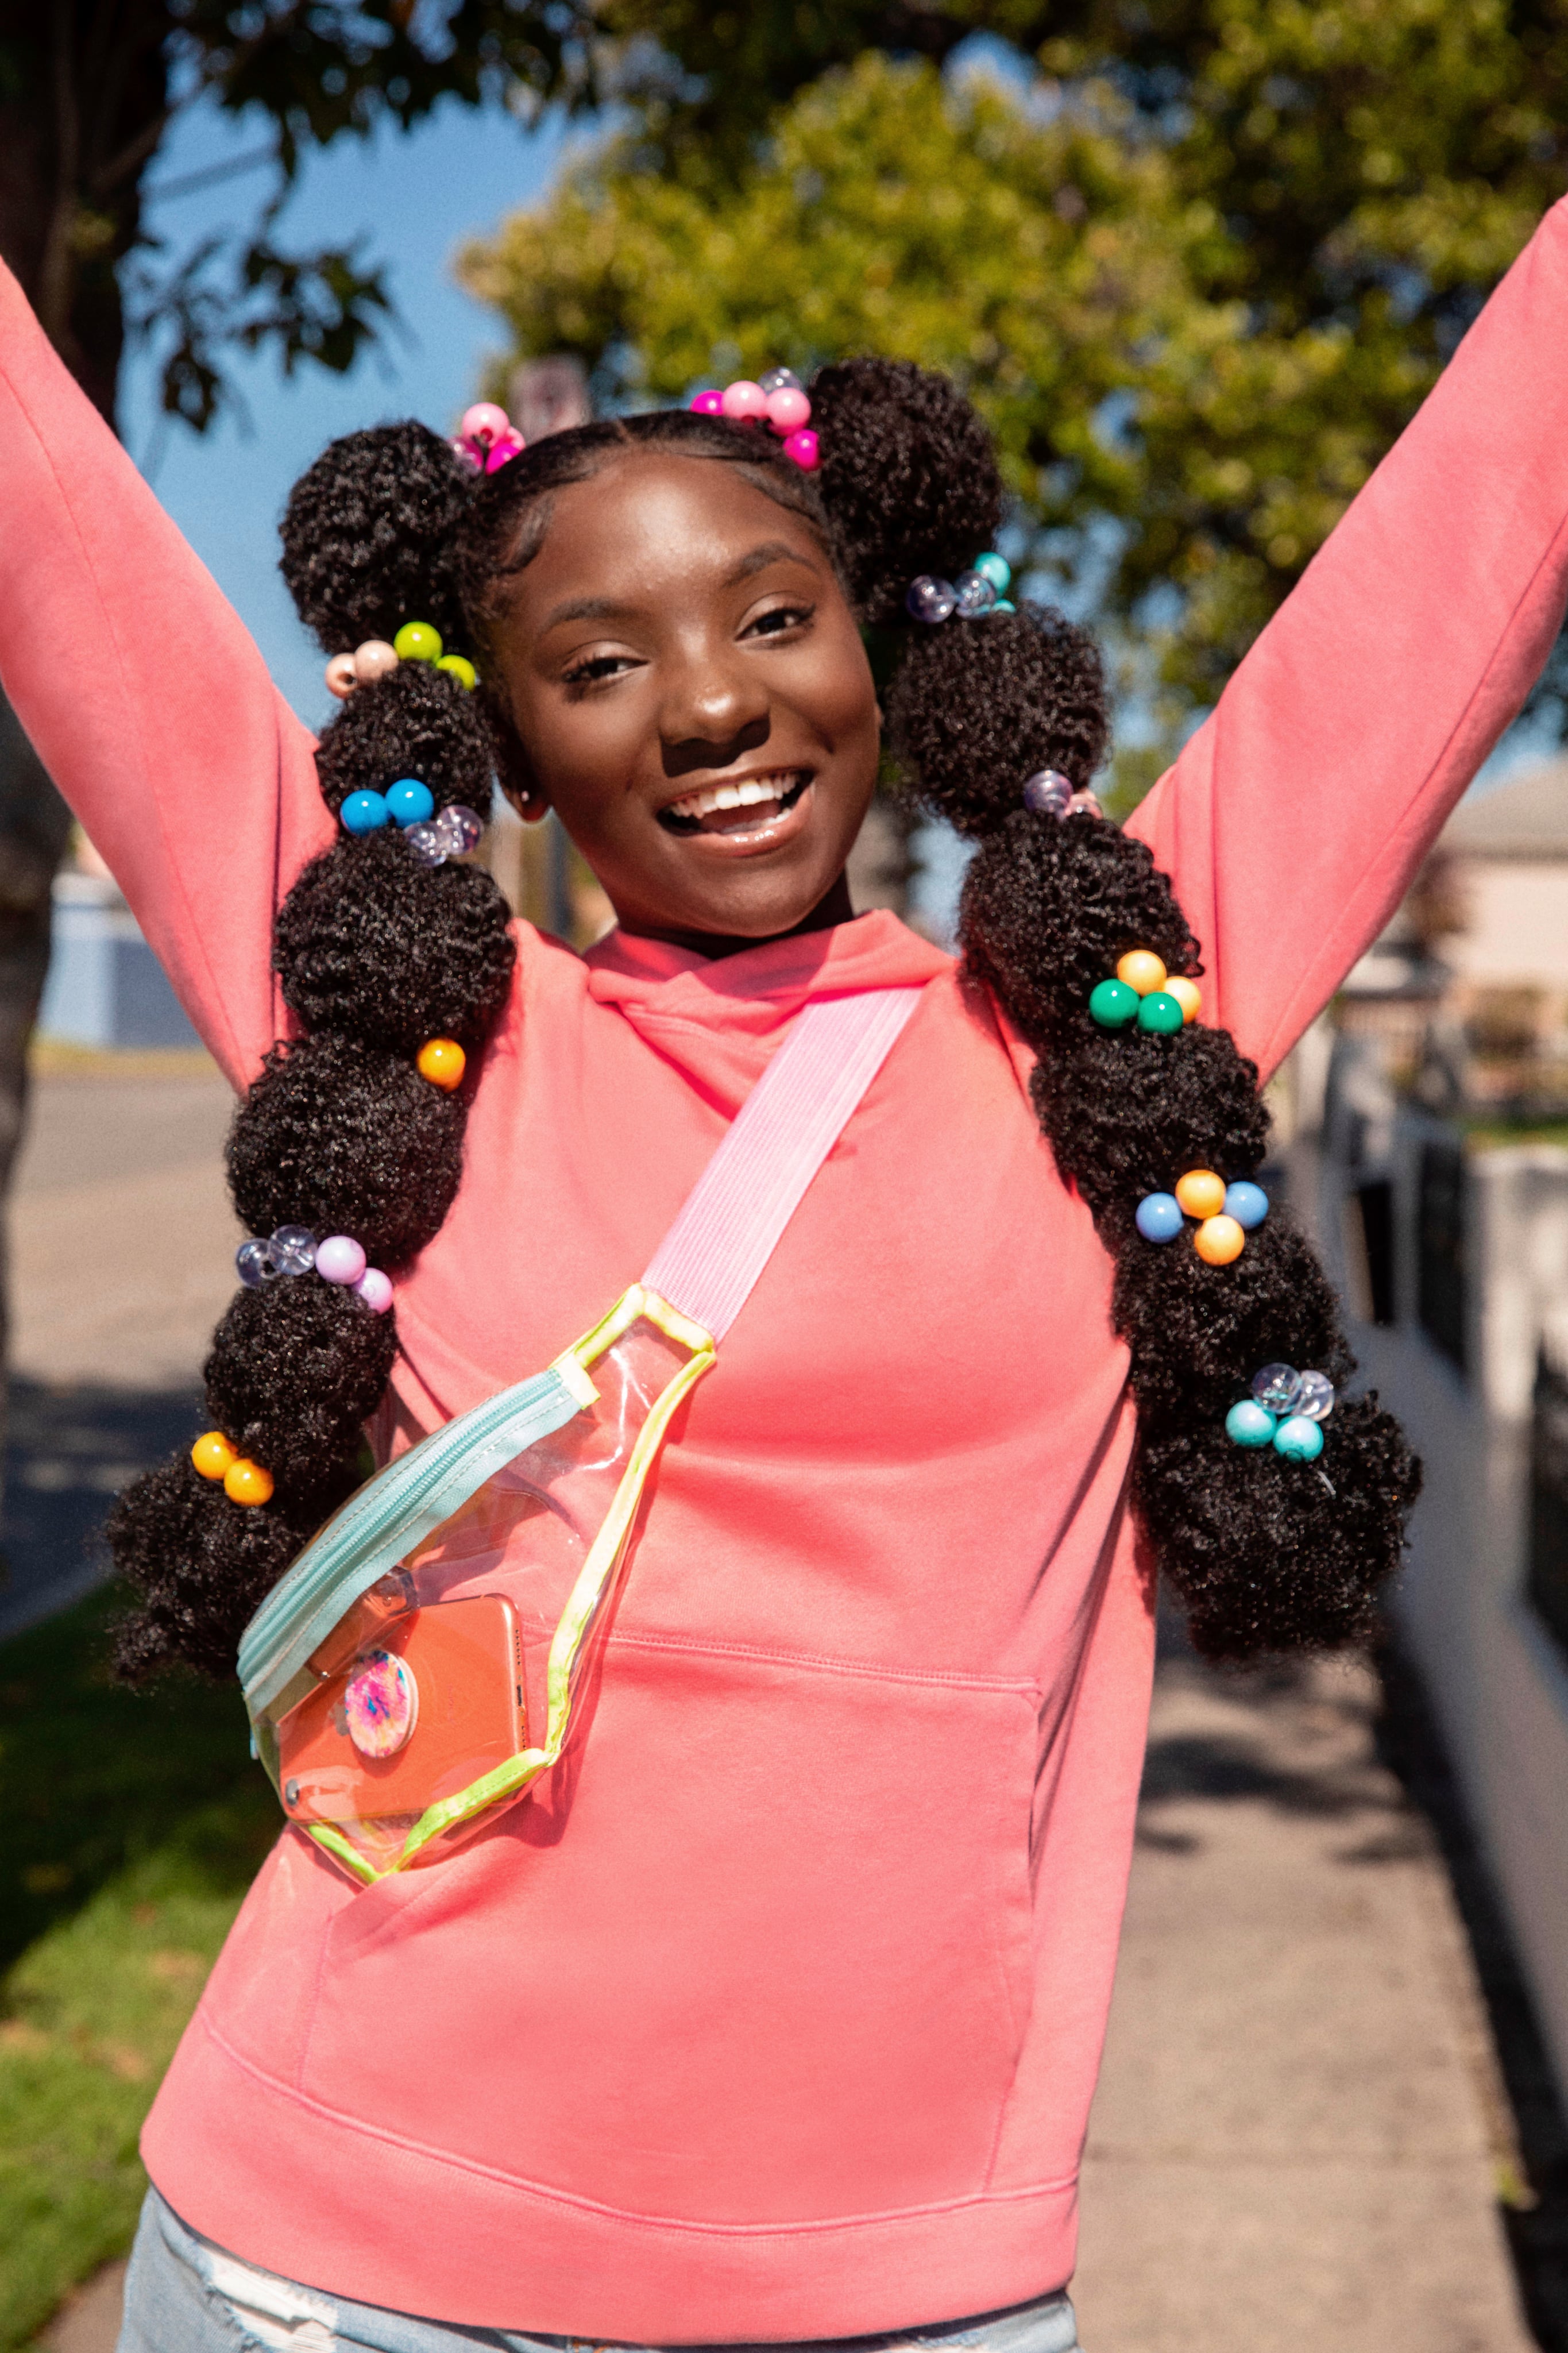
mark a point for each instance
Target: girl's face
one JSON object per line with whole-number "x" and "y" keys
{"x": 693, "y": 699}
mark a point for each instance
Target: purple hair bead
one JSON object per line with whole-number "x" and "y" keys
{"x": 339, "y": 1259}
{"x": 1048, "y": 793}
{"x": 375, "y": 1289}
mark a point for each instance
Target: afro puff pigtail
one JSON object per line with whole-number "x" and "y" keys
{"x": 340, "y": 1132}
{"x": 1267, "y": 1553}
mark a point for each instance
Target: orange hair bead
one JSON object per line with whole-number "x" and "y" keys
{"x": 1141, "y": 969}
{"x": 1218, "y": 1240}
{"x": 443, "y": 1061}
{"x": 246, "y": 1482}
{"x": 1201, "y": 1193}
{"x": 212, "y": 1455}
{"x": 1186, "y": 994}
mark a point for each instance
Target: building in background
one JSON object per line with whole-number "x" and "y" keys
{"x": 1427, "y": 1122}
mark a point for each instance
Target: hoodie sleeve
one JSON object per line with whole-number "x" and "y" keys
{"x": 1296, "y": 816}
{"x": 146, "y": 700}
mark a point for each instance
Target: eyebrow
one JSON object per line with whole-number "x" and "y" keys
{"x": 771, "y": 551}
{"x": 589, "y": 608}
{"x": 605, "y": 608}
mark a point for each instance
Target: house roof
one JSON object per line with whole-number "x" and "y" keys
{"x": 1525, "y": 818}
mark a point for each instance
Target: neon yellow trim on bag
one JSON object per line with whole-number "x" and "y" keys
{"x": 593, "y": 1578}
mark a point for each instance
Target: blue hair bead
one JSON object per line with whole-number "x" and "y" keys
{"x": 1158, "y": 1217}
{"x": 1298, "y": 1440}
{"x": 364, "y": 813}
{"x": 1250, "y": 1424}
{"x": 1247, "y": 1203}
{"x": 996, "y": 568}
{"x": 409, "y": 802}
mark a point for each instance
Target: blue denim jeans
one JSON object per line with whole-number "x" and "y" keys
{"x": 183, "y": 2295}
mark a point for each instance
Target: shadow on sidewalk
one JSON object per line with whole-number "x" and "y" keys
{"x": 70, "y": 1451}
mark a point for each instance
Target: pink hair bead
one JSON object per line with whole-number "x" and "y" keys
{"x": 375, "y": 1289}
{"x": 802, "y": 448}
{"x": 341, "y": 677}
{"x": 745, "y": 401}
{"x": 373, "y": 659}
{"x": 485, "y": 423}
{"x": 340, "y": 1260}
{"x": 707, "y": 404}
{"x": 788, "y": 410}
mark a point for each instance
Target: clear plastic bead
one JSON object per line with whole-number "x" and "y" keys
{"x": 461, "y": 829}
{"x": 1316, "y": 1402}
{"x": 1047, "y": 791}
{"x": 1277, "y": 1387}
{"x": 427, "y": 842}
{"x": 254, "y": 1260}
{"x": 974, "y": 594}
{"x": 929, "y": 599}
{"x": 780, "y": 380}
{"x": 292, "y": 1250}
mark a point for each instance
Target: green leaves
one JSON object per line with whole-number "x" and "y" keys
{"x": 1198, "y": 279}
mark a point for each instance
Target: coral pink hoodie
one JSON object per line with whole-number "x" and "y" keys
{"x": 778, "y": 2013}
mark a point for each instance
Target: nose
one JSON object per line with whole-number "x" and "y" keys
{"x": 715, "y": 707}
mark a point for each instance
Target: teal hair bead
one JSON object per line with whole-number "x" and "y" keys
{"x": 1113, "y": 1004}
{"x": 409, "y": 802}
{"x": 1003, "y": 604}
{"x": 996, "y": 568}
{"x": 1298, "y": 1440}
{"x": 1251, "y": 1424}
{"x": 364, "y": 813}
{"x": 1161, "y": 1012}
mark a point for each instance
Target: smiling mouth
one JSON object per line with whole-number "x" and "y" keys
{"x": 748, "y": 805}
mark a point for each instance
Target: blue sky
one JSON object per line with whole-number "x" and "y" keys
{"x": 415, "y": 197}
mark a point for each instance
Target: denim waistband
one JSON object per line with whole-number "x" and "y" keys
{"x": 271, "y": 2311}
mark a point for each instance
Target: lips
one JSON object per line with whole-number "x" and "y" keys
{"x": 740, "y": 806}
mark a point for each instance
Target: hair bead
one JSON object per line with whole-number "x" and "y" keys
{"x": 246, "y": 1482}
{"x": 213, "y": 1455}
{"x": 443, "y": 1061}
{"x": 418, "y": 641}
{"x": 341, "y": 677}
{"x": 1218, "y": 1240}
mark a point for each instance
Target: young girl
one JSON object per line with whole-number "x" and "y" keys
{"x": 775, "y": 2015}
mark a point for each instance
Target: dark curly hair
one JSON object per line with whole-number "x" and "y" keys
{"x": 377, "y": 953}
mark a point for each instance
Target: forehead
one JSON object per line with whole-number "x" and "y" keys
{"x": 650, "y": 516}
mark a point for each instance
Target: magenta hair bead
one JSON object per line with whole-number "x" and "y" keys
{"x": 788, "y": 410}
{"x": 339, "y": 1259}
{"x": 707, "y": 404}
{"x": 375, "y": 1289}
{"x": 485, "y": 423}
{"x": 508, "y": 445}
{"x": 802, "y": 448}
{"x": 745, "y": 401}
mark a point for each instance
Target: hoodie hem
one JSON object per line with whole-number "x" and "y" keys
{"x": 350, "y": 2209}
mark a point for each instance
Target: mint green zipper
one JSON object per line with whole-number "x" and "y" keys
{"x": 384, "y": 1521}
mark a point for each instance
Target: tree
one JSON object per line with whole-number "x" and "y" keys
{"x": 87, "y": 91}
{"x": 1199, "y": 280}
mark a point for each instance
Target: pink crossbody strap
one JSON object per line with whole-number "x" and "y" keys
{"x": 733, "y": 1216}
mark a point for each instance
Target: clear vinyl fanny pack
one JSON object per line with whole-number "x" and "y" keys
{"x": 416, "y": 1668}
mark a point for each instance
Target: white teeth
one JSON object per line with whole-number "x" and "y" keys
{"x": 749, "y": 794}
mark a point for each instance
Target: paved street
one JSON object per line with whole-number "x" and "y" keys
{"x": 122, "y": 1245}
{"x": 1299, "y": 2127}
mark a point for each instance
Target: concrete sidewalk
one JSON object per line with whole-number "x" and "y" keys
{"x": 1300, "y": 2129}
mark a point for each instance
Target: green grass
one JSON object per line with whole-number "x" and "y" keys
{"x": 130, "y": 1826}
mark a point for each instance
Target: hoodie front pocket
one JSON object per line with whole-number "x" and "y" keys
{"x": 761, "y": 1956}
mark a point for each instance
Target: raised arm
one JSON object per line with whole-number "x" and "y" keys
{"x": 1298, "y": 814}
{"x": 147, "y": 701}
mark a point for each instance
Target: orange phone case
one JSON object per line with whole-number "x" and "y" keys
{"x": 466, "y": 1669}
